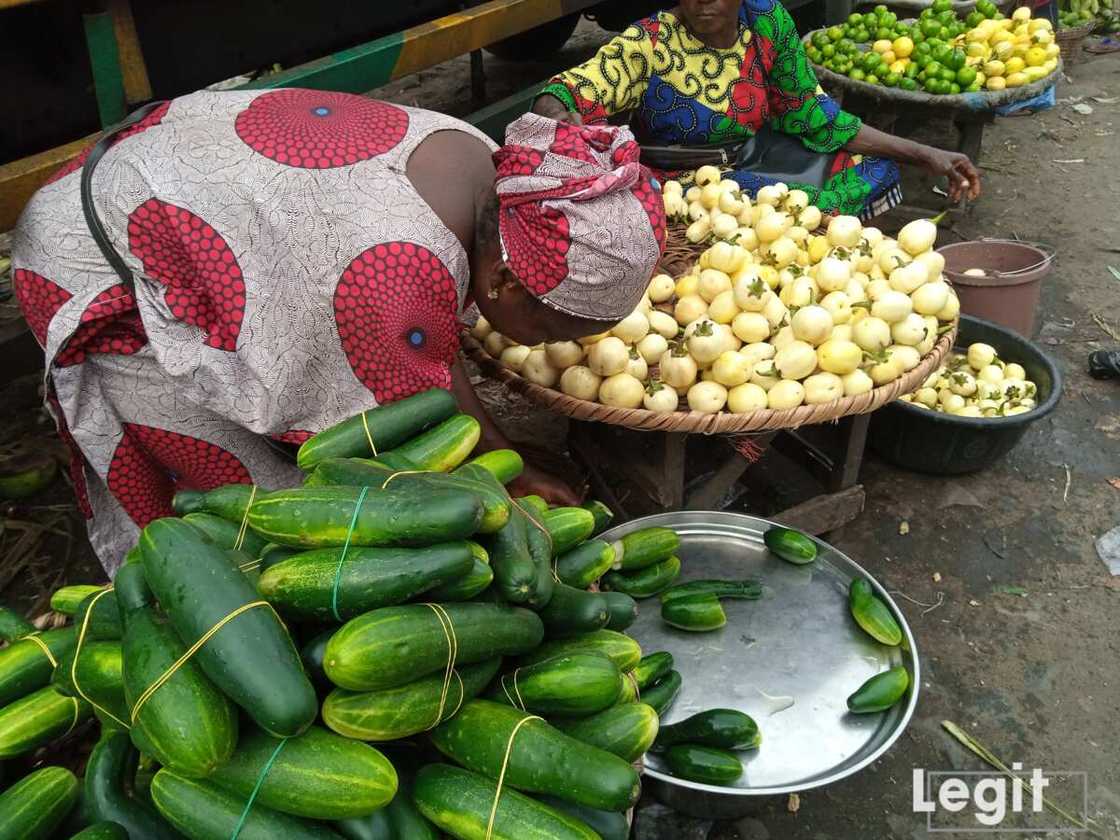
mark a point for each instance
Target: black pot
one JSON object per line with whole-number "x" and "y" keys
{"x": 944, "y": 444}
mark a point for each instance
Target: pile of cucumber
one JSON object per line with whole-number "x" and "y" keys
{"x": 361, "y": 657}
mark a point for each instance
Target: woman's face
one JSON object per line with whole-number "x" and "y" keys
{"x": 707, "y": 18}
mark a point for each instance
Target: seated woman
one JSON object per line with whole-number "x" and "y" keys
{"x": 713, "y": 73}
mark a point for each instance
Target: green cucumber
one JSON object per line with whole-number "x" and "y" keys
{"x": 579, "y": 684}
{"x": 504, "y": 464}
{"x": 467, "y": 586}
{"x": 321, "y": 517}
{"x": 202, "y": 811}
{"x": 663, "y": 693}
{"x": 274, "y": 553}
{"x": 394, "y": 713}
{"x": 515, "y": 572}
{"x": 543, "y": 759}
{"x": 312, "y": 585}
{"x": 105, "y": 621}
{"x": 537, "y": 505}
{"x": 696, "y": 613}
{"x": 312, "y": 655}
{"x": 252, "y": 660}
{"x": 186, "y": 724}
{"x": 627, "y": 730}
{"x": 37, "y": 719}
{"x": 102, "y": 831}
{"x": 709, "y": 765}
{"x": 34, "y": 806}
{"x": 572, "y": 612}
{"x": 109, "y": 774}
{"x": 872, "y": 614}
{"x": 618, "y": 647}
{"x": 540, "y": 551}
{"x": 225, "y": 533}
{"x": 602, "y": 514}
{"x": 880, "y": 692}
{"x": 13, "y": 626}
{"x": 399, "y": 820}
{"x": 586, "y": 563}
{"x": 738, "y": 589}
{"x": 609, "y": 825}
{"x": 622, "y": 608}
{"x": 94, "y": 674}
{"x": 391, "y": 646}
{"x": 394, "y": 462}
{"x": 790, "y": 545}
{"x": 375, "y": 826}
{"x": 629, "y": 693}
{"x": 318, "y": 774}
{"x": 25, "y": 666}
{"x": 388, "y": 426}
{"x": 639, "y": 549}
{"x": 443, "y": 447}
{"x": 359, "y": 472}
{"x": 646, "y": 582}
{"x": 725, "y": 728}
{"x": 652, "y": 668}
{"x": 460, "y": 803}
{"x": 228, "y": 501}
{"x": 568, "y": 526}
{"x": 66, "y": 599}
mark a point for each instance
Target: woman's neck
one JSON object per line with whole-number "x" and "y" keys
{"x": 723, "y": 38}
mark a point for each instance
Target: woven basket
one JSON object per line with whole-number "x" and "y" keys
{"x": 1070, "y": 40}
{"x": 723, "y": 423}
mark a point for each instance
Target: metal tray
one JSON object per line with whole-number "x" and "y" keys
{"x": 799, "y": 641}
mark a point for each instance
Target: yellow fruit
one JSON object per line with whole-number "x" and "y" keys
{"x": 1036, "y": 57}
{"x": 1039, "y": 23}
{"x": 1014, "y": 65}
{"x": 974, "y": 50}
{"x": 881, "y": 46}
{"x": 994, "y": 69}
{"x": 1016, "y": 79}
{"x": 996, "y": 83}
{"x": 890, "y": 57}
{"x": 899, "y": 66}
{"x": 902, "y": 47}
{"x": 1033, "y": 74}
{"x": 1051, "y": 65}
{"x": 980, "y": 77}
{"x": 980, "y": 33}
{"x": 1022, "y": 13}
{"x": 1020, "y": 51}
{"x": 1052, "y": 51}
{"x": 1005, "y": 24}
{"x": 1001, "y": 36}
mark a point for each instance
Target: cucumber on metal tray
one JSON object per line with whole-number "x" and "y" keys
{"x": 639, "y": 549}
{"x": 394, "y": 713}
{"x": 572, "y": 612}
{"x": 622, "y": 608}
{"x": 584, "y": 564}
{"x": 872, "y": 614}
{"x": 647, "y": 582}
{"x": 709, "y": 765}
{"x": 652, "y": 668}
{"x": 577, "y": 684}
{"x": 36, "y": 805}
{"x": 37, "y": 719}
{"x": 696, "y": 613}
{"x": 443, "y": 447}
{"x": 187, "y": 724}
{"x": 109, "y": 774}
{"x": 460, "y": 802}
{"x": 199, "y": 809}
{"x": 663, "y": 693}
{"x": 25, "y": 666}
{"x": 736, "y": 589}
{"x": 388, "y": 425}
{"x": 65, "y": 599}
{"x": 392, "y": 646}
{"x": 311, "y": 585}
{"x": 252, "y": 660}
{"x": 627, "y": 730}
{"x": 880, "y": 692}
{"x": 94, "y": 674}
{"x": 543, "y": 760}
{"x": 618, "y": 647}
{"x": 792, "y": 546}
{"x": 728, "y": 729}
{"x": 317, "y": 774}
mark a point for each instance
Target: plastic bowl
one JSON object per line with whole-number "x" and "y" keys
{"x": 944, "y": 444}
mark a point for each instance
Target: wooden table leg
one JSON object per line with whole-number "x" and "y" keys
{"x": 845, "y": 468}
{"x": 708, "y": 495}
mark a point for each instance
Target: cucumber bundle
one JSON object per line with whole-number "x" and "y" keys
{"x": 399, "y": 593}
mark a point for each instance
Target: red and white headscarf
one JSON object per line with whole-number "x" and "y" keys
{"x": 582, "y": 222}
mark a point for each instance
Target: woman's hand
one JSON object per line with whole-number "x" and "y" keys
{"x": 536, "y": 482}
{"x": 551, "y": 107}
{"x": 964, "y": 178}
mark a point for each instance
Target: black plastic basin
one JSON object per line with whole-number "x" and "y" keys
{"x": 944, "y": 444}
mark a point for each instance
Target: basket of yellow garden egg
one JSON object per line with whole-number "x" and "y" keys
{"x": 761, "y": 320}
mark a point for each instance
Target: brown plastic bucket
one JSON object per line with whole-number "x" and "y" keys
{"x": 1007, "y": 293}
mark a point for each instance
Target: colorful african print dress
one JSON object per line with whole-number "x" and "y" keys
{"x": 287, "y": 276}
{"x": 682, "y": 92}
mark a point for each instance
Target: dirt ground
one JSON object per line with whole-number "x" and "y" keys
{"x": 1016, "y": 617}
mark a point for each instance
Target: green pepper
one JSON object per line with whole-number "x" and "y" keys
{"x": 880, "y": 692}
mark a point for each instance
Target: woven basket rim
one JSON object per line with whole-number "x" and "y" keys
{"x": 723, "y": 422}
{"x": 1074, "y": 33}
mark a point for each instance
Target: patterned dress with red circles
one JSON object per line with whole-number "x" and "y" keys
{"x": 288, "y": 275}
